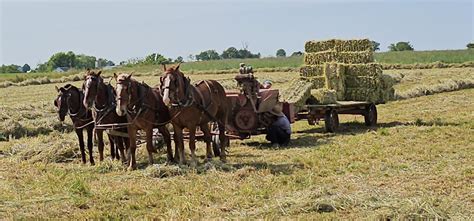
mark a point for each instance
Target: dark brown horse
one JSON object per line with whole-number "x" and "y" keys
{"x": 193, "y": 106}
{"x": 69, "y": 102}
{"x": 100, "y": 97}
{"x": 145, "y": 110}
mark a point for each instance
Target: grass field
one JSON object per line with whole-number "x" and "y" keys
{"x": 403, "y": 57}
{"x": 417, "y": 164}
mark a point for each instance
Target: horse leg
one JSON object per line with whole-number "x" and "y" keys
{"x": 149, "y": 145}
{"x": 179, "y": 143}
{"x": 90, "y": 144}
{"x": 119, "y": 142}
{"x": 167, "y": 138}
{"x": 112, "y": 142}
{"x": 126, "y": 141}
{"x": 192, "y": 144}
{"x": 100, "y": 140}
{"x": 207, "y": 138}
{"x": 80, "y": 136}
{"x": 132, "y": 133}
{"x": 223, "y": 141}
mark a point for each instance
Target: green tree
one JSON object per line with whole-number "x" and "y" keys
{"x": 281, "y": 53}
{"x": 297, "y": 53}
{"x": 470, "y": 45}
{"x": 179, "y": 59}
{"x": 156, "y": 58}
{"x": 26, "y": 68}
{"x": 10, "y": 69}
{"x": 401, "y": 46}
{"x": 62, "y": 59}
{"x": 375, "y": 46}
{"x": 84, "y": 61}
{"x": 229, "y": 53}
{"x": 208, "y": 55}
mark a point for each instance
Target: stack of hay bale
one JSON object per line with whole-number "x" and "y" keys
{"x": 344, "y": 70}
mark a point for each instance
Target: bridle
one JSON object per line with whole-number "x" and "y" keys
{"x": 188, "y": 98}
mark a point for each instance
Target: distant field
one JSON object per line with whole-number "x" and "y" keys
{"x": 404, "y": 57}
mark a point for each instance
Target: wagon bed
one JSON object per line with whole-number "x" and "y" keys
{"x": 330, "y": 113}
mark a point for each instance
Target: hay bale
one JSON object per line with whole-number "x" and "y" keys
{"x": 312, "y": 70}
{"x": 324, "y": 96}
{"x": 363, "y": 81}
{"x": 318, "y": 82}
{"x": 298, "y": 92}
{"x": 335, "y": 78}
{"x": 338, "y": 45}
{"x": 359, "y": 57}
{"x": 363, "y": 94}
{"x": 371, "y": 70}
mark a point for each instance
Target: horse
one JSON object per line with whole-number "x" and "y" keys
{"x": 193, "y": 106}
{"x": 100, "y": 97}
{"x": 145, "y": 110}
{"x": 69, "y": 102}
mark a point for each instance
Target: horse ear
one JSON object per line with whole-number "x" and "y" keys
{"x": 57, "y": 89}
{"x": 177, "y": 67}
{"x": 129, "y": 76}
{"x": 164, "y": 67}
{"x": 98, "y": 73}
{"x": 62, "y": 90}
{"x": 115, "y": 76}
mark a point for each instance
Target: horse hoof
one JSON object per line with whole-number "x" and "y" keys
{"x": 130, "y": 168}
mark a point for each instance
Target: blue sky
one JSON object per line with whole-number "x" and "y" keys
{"x": 33, "y": 30}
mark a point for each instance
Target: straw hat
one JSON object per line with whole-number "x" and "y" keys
{"x": 278, "y": 110}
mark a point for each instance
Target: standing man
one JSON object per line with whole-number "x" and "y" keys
{"x": 279, "y": 132}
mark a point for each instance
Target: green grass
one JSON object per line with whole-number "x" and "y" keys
{"x": 412, "y": 57}
{"x": 216, "y": 66}
{"x": 417, "y": 164}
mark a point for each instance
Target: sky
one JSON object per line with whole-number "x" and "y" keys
{"x": 33, "y": 30}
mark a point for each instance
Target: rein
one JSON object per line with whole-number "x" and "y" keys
{"x": 75, "y": 116}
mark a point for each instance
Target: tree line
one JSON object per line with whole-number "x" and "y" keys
{"x": 68, "y": 60}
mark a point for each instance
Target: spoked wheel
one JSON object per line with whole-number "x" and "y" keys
{"x": 331, "y": 121}
{"x": 370, "y": 116}
{"x": 216, "y": 142}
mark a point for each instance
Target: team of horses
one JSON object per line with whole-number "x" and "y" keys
{"x": 132, "y": 105}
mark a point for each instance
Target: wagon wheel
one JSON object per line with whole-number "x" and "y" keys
{"x": 331, "y": 120}
{"x": 370, "y": 116}
{"x": 216, "y": 142}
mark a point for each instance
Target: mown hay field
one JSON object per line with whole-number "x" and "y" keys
{"x": 417, "y": 163}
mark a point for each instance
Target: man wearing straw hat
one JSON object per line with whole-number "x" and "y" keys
{"x": 279, "y": 132}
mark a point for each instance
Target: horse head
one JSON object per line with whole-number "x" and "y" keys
{"x": 172, "y": 85}
{"x": 125, "y": 92}
{"x": 91, "y": 86}
{"x": 63, "y": 100}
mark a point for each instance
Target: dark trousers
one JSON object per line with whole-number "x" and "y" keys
{"x": 277, "y": 135}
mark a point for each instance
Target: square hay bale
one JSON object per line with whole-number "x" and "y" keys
{"x": 311, "y": 70}
{"x": 298, "y": 92}
{"x": 338, "y": 45}
{"x": 324, "y": 96}
{"x": 360, "y": 57}
{"x": 363, "y": 94}
{"x": 335, "y": 78}
{"x": 363, "y": 81}
{"x": 371, "y": 69}
{"x": 353, "y": 45}
{"x": 318, "y": 82}
{"x": 317, "y": 46}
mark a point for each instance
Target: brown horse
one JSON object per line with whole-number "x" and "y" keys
{"x": 100, "y": 97}
{"x": 193, "y": 106}
{"x": 145, "y": 110}
{"x": 69, "y": 102}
